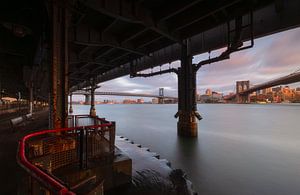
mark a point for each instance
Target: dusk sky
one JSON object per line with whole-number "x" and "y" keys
{"x": 271, "y": 57}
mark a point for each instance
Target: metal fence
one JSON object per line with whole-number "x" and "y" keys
{"x": 87, "y": 140}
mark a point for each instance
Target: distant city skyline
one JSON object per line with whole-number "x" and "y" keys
{"x": 276, "y": 94}
{"x": 271, "y": 57}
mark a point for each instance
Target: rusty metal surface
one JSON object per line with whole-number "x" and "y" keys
{"x": 59, "y": 82}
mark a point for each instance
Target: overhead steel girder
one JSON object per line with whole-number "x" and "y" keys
{"x": 103, "y": 31}
{"x": 92, "y": 37}
{"x": 104, "y": 53}
{"x": 266, "y": 21}
{"x": 176, "y": 8}
{"x": 132, "y": 12}
{"x": 189, "y": 20}
{"x": 87, "y": 63}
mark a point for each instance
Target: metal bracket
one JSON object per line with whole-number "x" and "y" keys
{"x": 232, "y": 45}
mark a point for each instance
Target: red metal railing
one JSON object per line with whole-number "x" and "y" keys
{"x": 88, "y": 142}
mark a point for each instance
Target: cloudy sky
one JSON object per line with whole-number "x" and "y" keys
{"x": 271, "y": 57}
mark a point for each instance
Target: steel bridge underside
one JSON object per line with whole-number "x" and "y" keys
{"x": 55, "y": 47}
{"x": 159, "y": 42}
{"x": 105, "y": 37}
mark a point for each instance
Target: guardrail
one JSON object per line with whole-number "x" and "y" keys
{"x": 89, "y": 139}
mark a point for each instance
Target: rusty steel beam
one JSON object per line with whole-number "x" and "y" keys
{"x": 59, "y": 88}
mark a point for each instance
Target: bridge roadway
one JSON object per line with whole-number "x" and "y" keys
{"x": 291, "y": 78}
{"x": 81, "y": 92}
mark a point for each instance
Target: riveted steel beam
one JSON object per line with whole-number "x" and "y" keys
{"x": 59, "y": 77}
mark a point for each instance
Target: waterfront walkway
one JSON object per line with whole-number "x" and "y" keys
{"x": 11, "y": 172}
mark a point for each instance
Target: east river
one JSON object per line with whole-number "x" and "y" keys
{"x": 240, "y": 149}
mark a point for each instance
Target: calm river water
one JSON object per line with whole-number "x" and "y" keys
{"x": 240, "y": 149}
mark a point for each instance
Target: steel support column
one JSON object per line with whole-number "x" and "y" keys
{"x": 93, "y": 109}
{"x": 87, "y": 99}
{"x": 59, "y": 77}
{"x": 71, "y": 107}
{"x": 187, "y": 105}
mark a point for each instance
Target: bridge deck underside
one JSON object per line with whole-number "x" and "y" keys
{"x": 105, "y": 37}
{"x": 150, "y": 44}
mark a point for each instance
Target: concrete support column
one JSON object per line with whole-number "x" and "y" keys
{"x": 31, "y": 98}
{"x": 187, "y": 105}
{"x": 71, "y": 107}
{"x": 59, "y": 66}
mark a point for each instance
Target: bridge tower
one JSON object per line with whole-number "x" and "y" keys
{"x": 161, "y": 96}
{"x": 187, "y": 105}
{"x": 240, "y": 87}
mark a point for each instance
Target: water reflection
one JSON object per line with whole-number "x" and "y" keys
{"x": 240, "y": 149}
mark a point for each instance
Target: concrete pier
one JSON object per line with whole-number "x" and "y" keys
{"x": 150, "y": 174}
